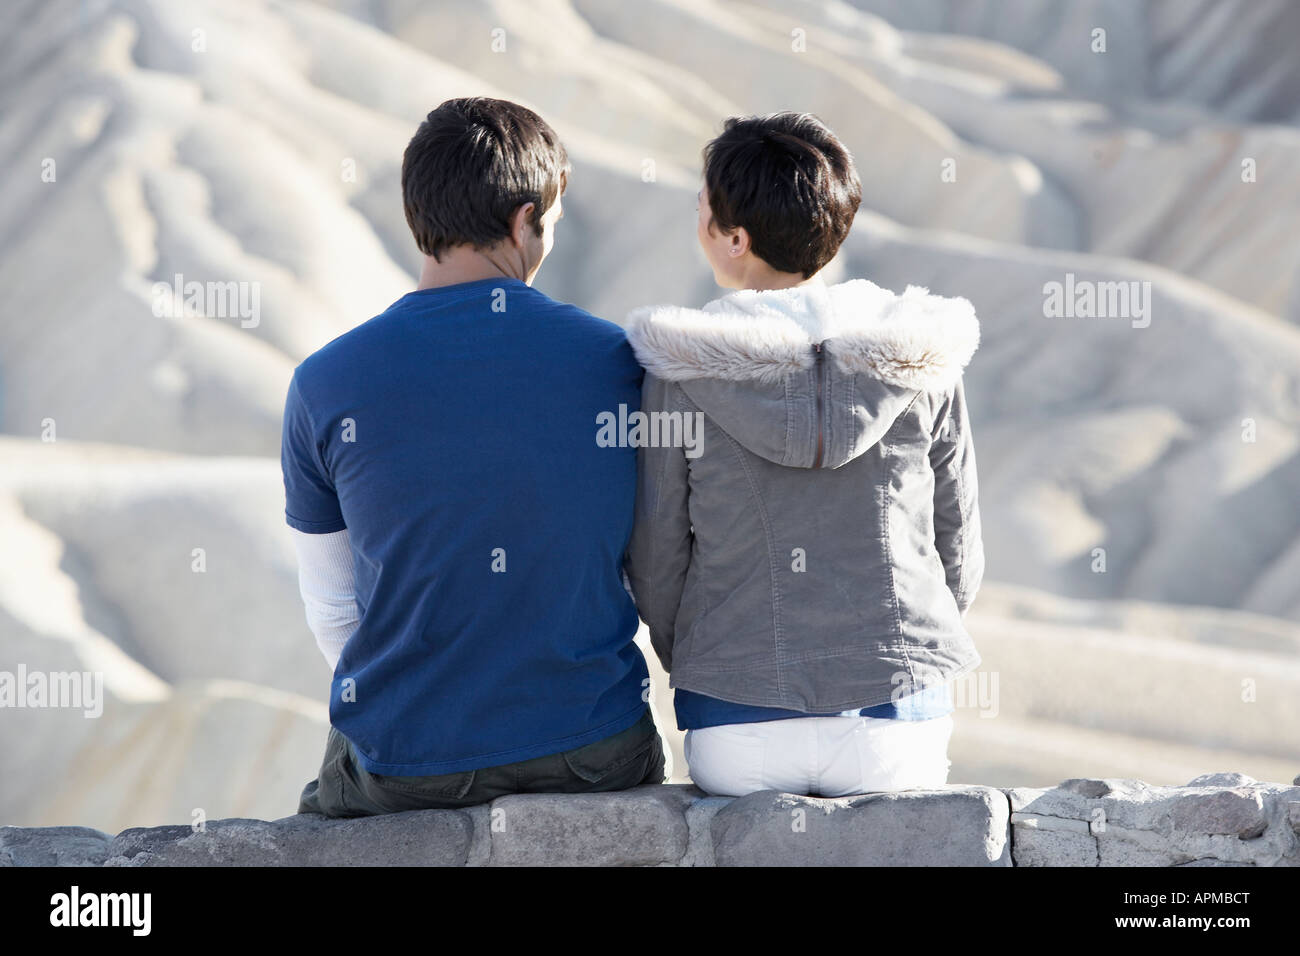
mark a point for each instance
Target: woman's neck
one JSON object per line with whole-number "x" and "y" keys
{"x": 765, "y": 278}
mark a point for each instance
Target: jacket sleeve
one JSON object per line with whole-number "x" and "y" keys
{"x": 956, "y": 492}
{"x": 659, "y": 552}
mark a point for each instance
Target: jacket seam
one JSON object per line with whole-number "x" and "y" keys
{"x": 962, "y": 516}
{"x": 789, "y": 420}
{"x": 684, "y": 403}
{"x": 848, "y": 651}
{"x": 673, "y": 399}
{"x": 973, "y": 661}
{"x": 887, "y": 448}
{"x": 681, "y": 401}
{"x": 659, "y": 480}
{"x": 848, "y": 399}
{"x": 963, "y": 511}
{"x": 777, "y": 630}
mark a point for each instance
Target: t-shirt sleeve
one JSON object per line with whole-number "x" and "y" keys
{"x": 310, "y": 502}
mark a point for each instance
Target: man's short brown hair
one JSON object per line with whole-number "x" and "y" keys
{"x": 789, "y": 182}
{"x": 471, "y": 164}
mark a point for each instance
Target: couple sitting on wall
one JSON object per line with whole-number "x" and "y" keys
{"x": 473, "y": 559}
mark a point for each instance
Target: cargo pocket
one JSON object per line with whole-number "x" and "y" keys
{"x": 413, "y": 793}
{"x": 622, "y": 760}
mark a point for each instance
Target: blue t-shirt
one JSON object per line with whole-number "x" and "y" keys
{"x": 454, "y": 436}
{"x": 696, "y": 711}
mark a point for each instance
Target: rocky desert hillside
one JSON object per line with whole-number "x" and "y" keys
{"x": 1140, "y": 474}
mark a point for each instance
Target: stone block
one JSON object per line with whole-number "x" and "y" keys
{"x": 952, "y": 826}
{"x": 53, "y": 846}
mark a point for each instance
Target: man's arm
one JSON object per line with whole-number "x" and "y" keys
{"x": 320, "y": 536}
{"x": 659, "y": 553}
{"x": 326, "y": 583}
{"x": 956, "y": 499}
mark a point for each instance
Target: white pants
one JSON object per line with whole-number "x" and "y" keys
{"x": 820, "y": 756}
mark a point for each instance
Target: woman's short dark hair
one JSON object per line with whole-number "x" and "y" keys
{"x": 789, "y": 182}
{"x": 471, "y": 164}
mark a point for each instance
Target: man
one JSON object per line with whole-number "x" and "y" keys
{"x": 459, "y": 530}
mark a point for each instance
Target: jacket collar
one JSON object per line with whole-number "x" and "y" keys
{"x": 915, "y": 340}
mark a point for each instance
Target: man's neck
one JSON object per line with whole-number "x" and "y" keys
{"x": 464, "y": 264}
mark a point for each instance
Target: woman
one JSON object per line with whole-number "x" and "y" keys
{"x": 805, "y": 566}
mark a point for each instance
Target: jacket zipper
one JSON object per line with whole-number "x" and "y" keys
{"x": 817, "y": 462}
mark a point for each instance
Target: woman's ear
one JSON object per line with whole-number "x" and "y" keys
{"x": 739, "y": 244}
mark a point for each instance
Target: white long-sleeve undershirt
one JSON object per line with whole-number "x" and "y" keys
{"x": 326, "y": 583}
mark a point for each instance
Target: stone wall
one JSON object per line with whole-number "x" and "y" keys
{"x": 1215, "y": 820}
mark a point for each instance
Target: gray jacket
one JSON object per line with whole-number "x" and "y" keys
{"x": 816, "y": 543}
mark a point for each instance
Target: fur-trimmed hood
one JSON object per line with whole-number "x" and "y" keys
{"x": 750, "y": 360}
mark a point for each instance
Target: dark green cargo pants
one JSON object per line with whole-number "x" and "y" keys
{"x": 344, "y": 788}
